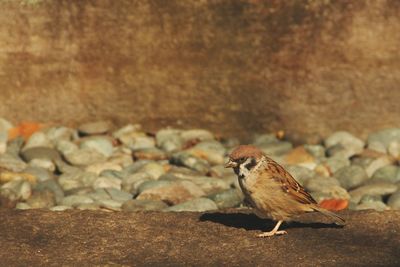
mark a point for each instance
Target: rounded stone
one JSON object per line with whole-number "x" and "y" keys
{"x": 76, "y": 179}
{"x": 16, "y": 190}
{"x": 84, "y": 157}
{"x": 389, "y": 173}
{"x": 100, "y": 167}
{"x": 377, "y": 188}
{"x": 394, "y": 201}
{"x": 102, "y": 145}
{"x": 227, "y": 199}
{"x": 169, "y": 140}
{"x": 350, "y": 177}
{"x": 318, "y": 183}
{"x": 76, "y": 200}
{"x": 385, "y": 136}
{"x": 11, "y": 163}
{"x": 210, "y": 150}
{"x": 141, "y": 204}
{"x": 38, "y": 139}
{"x": 188, "y": 160}
{"x": 300, "y": 173}
{"x": 40, "y": 153}
{"x": 374, "y": 205}
{"x": 41, "y": 199}
{"x": 41, "y": 174}
{"x": 118, "y": 195}
{"x": 53, "y": 186}
{"x": 93, "y": 128}
{"x": 107, "y": 182}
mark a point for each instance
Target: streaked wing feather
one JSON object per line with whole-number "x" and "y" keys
{"x": 290, "y": 185}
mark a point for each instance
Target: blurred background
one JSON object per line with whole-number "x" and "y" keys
{"x": 233, "y": 67}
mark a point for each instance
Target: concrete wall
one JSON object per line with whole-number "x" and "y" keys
{"x": 233, "y": 66}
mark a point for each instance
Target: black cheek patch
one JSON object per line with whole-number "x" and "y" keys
{"x": 251, "y": 164}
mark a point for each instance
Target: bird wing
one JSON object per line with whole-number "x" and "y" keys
{"x": 289, "y": 185}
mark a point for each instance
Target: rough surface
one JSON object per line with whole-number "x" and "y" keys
{"x": 87, "y": 238}
{"x": 235, "y": 67}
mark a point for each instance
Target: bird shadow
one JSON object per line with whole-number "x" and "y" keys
{"x": 253, "y": 222}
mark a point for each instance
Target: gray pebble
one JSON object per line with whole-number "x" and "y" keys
{"x": 14, "y": 146}
{"x": 317, "y": 151}
{"x": 394, "y": 201}
{"x": 277, "y": 148}
{"x": 118, "y": 195}
{"x": 11, "y": 163}
{"x": 169, "y": 140}
{"x": 76, "y": 179}
{"x": 378, "y": 188}
{"x": 53, "y": 186}
{"x": 76, "y": 200}
{"x": 93, "y": 128}
{"x": 138, "y": 205}
{"x": 336, "y": 163}
{"x": 190, "y": 161}
{"x": 22, "y": 206}
{"x": 38, "y": 139}
{"x": 301, "y": 174}
{"x": 350, "y": 144}
{"x": 319, "y": 183}
{"x": 375, "y": 205}
{"x": 40, "y": 153}
{"x": 110, "y": 204}
{"x": 56, "y": 134}
{"x": 332, "y": 192}
{"x": 16, "y": 190}
{"x": 84, "y": 157}
{"x": 146, "y": 185}
{"x": 389, "y": 173}
{"x": 99, "y": 194}
{"x": 210, "y": 150}
{"x": 107, "y": 182}
{"x": 350, "y": 177}
{"x": 41, "y": 174}
{"x": 227, "y": 199}
{"x": 385, "y": 136}
{"x": 101, "y": 144}
{"x": 66, "y": 147}
{"x": 41, "y": 199}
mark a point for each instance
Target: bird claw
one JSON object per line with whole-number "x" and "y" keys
{"x": 272, "y": 233}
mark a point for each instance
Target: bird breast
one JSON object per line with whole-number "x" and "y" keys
{"x": 266, "y": 195}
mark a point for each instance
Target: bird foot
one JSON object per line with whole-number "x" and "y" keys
{"x": 272, "y": 233}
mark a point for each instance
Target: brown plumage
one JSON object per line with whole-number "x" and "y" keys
{"x": 270, "y": 189}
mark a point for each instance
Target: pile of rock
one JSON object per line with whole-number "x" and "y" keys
{"x": 95, "y": 167}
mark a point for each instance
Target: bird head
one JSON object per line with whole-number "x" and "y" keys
{"x": 244, "y": 157}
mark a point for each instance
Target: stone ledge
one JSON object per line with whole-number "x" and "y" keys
{"x": 39, "y": 237}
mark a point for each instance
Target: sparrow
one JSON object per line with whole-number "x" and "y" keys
{"x": 270, "y": 190}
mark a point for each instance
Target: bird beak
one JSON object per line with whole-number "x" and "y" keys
{"x": 230, "y": 164}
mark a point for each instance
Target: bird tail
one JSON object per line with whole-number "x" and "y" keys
{"x": 337, "y": 219}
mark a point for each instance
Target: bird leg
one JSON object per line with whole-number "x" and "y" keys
{"x": 274, "y": 231}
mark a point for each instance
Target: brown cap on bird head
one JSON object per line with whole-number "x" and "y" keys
{"x": 243, "y": 151}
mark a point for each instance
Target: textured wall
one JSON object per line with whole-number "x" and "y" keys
{"x": 235, "y": 67}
